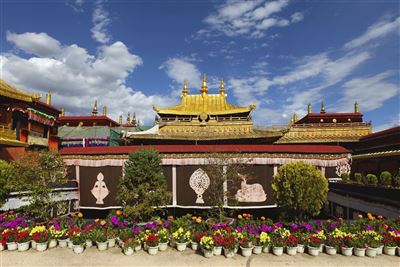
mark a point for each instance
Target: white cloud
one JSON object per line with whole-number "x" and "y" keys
{"x": 375, "y": 31}
{"x": 181, "y": 69}
{"x": 77, "y": 78}
{"x": 249, "y": 90}
{"x": 39, "y": 44}
{"x": 250, "y": 18}
{"x": 370, "y": 92}
{"x": 393, "y": 122}
{"x": 100, "y": 20}
{"x": 76, "y": 5}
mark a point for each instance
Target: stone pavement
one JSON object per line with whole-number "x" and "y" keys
{"x": 171, "y": 257}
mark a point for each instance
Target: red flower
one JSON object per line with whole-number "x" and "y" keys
{"x": 291, "y": 241}
{"x": 198, "y": 236}
{"x": 152, "y": 240}
{"x": 229, "y": 242}
{"x": 218, "y": 240}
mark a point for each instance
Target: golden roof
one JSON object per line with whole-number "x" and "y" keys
{"x": 213, "y": 104}
{"x": 10, "y": 91}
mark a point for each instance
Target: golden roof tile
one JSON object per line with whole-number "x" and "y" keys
{"x": 10, "y": 91}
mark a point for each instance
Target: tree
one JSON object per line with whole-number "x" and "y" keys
{"x": 6, "y": 176}
{"x": 142, "y": 190}
{"x": 371, "y": 179}
{"x": 224, "y": 171}
{"x": 385, "y": 179}
{"x": 300, "y": 190}
{"x": 37, "y": 175}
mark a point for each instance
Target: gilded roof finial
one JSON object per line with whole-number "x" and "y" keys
{"x": 104, "y": 111}
{"x": 62, "y": 112}
{"x": 322, "y": 107}
{"x": 222, "y": 88}
{"x": 128, "y": 118}
{"x": 133, "y": 121}
{"x": 48, "y": 98}
{"x": 356, "y": 107}
{"x": 94, "y": 111}
{"x": 309, "y": 111}
{"x": 185, "y": 89}
{"x": 204, "y": 87}
{"x": 120, "y": 120}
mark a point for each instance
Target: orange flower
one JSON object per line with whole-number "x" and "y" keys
{"x": 96, "y": 220}
{"x": 370, "y": 216}
{"x": 119, "y": 212}
{"x": 194, "y": 218}
{"x": 198, "y": 220}
{"x": 80, "y": 215}
{"x": 103, "y": 222}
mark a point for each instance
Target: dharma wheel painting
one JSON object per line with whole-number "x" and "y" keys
{"x": 199, "y": 182}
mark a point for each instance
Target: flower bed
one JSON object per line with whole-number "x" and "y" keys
{"x": 369, "y": 236}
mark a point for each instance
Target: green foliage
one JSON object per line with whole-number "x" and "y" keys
{"x": 396, "y": 180}
{"x": 142, "y": 190}
{"x": 6, "y": 177}
{"x": 300, "y": 189}
{"x": 37, "y": 174}
{"x": 385, "y": 179}
{"x": 358, "y": 177}
{"x": 345, "y": 177}
{"x": 371, "y": 179}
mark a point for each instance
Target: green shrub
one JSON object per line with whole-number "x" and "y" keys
{"x": 396, "y": 181}
{"x": 345, "y": 177}
{"x": 300, "y": 190}
{"x": 385, "y": 178}
{"x": 6, "y": 177}
{"x": 358, "y": 177}
{"x": 371, "y": 179}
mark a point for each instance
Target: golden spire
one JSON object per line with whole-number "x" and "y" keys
{"x": 128, "y": 118}
{"x": 133, "y": 121}
{"x": 48, "y": 98}
{"x": 94, "y": 111}
{"x": 222, "y": 88}
{"x": 104, "y": 111}
{"x": 62, "y": 112}
{"x": 293, "y": 119}
{"x": 356, "y": 107}
{"x": 322, "y": 107}
{"x": 120, "y": 120}
{"x": 204, "y": 87}
{"x": 309, "y": 108}
{"x": 185, "y": 89}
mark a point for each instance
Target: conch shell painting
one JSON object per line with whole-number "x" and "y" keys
{"x": 199, "y": 182}
{"x": 100, "y": 190}
{"x": 250, "y": 192}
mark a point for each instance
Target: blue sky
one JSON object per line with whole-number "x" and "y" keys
{"x": 279, "y": 55}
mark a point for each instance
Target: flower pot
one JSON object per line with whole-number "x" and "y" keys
{"x": 102, "y": 246}
{"x": 111, "y": 242}
{"x": 137, "y": 248}
{"x": 257, "y": 249}
{"x": 292, "y": 251}
{"x": 266, "y": 249}
{"x": 23, "y": 246}
{"x": 313, "y": 251}
{"x": 163, "y": 246}
{"x": 379, "y": 250}
{"x": 229, "y": 253}
{"x": 398, "y": 251}
{"x": 62, "y": 243}
{"x": 70, "y": 244}
{"x": 217, "y": 250}
{"x": 321, "y": 248}
{"x": 153, "y": 250}
{"x": 347, "y": 251}
{"x": 300, "y": 248}
{"x": 277, "y": 251}
{"x": 12, "y": 246}
{"x": 145, "y": 246}
{"x": 78, "y": 249}
{"x": 359, "y": 252}
{"x": 195, "y": 245}
{"x": 236, "y": 249}
{"x": 33, "y": 244}
{"x": 128, "y": 251}
{"x": 41, "y": 246}
{"x": 246, "y": 252}
{"x": 181, "y": 246}
{"x": 1, "y": 247}
{"x": 371, "y": 252}
{"x": 89, "y": 243}
{"x": 172, "y": 243}
{"x": 52, "y": 243}
{"x": 390, "y": 251}
{"x": 208, "y": 253}
{"x": 330, "y": 250}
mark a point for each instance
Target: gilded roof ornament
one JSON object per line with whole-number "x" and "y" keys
{"x": 62, "y": 112}
{"x": 204, "y": 87}
{"x": 222, "y": 88}
{"x": 185, "y": 89}
{"x": 356, "y": 107}
{"x": 309, "y": 111}
{"x": 104, "y": 111}
{"x": 128, "y": 118}
{"x": 120, "y": 120}
{"x": 48, "y": 98}
{"x": 322, "y": 107}
{"x": 94, "y": 111}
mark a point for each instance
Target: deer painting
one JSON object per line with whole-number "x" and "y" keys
{"x": 250, "y": 192}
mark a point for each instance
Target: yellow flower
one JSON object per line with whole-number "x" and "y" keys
{"x": 240, "y": 217}
{"x": 119, "y": 212}
{"x": 80, "y": 215}
{"x": 198, "y": 220}
{"x": 103, "y": 222}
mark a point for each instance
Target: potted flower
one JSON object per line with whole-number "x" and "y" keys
{"x": 389, "y": 243}
{"x": 41, "y": 238}
{"x": 181, "y": 238}
{"x": 291, "y": 243}
{"x": 23, "y": 240}
{"x": 101, "y": 239}
{"x": 218, "y": 244}
{"x": 196, "y": 237}
{"x": 246, "y": 246}
{"x": 152, "y": 242}
{"x": 303, "y": 240}
{"x": 129, "y": 245}
{"x": 333, "y": 242}
{"x": 78, "y": 241}
{"x": 38, "y": 228}
{"x": 373, "y": 242}
{"x": 163, "y": 237}
{"x": 314, "y": 243}
{"x": 112, "y": 233}
{"x": 229, "y": 245}
{"x": 258, "y": 246}
{"x": 2, "y": 242}
{"x": 207, "y": 245}
{"x": 265, "y": 241}
{"x": 9, "y": 236}
{"x": 58, "y": 234}
{"x": 347, "y": 244}
{"x": 278, "y": 244}
{"x": 359, "y": 245}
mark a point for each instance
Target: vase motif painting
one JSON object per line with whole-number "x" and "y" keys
{"x": 100, "y": 190}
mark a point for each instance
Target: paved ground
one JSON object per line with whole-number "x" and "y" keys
{"x": 171, "y": 257}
